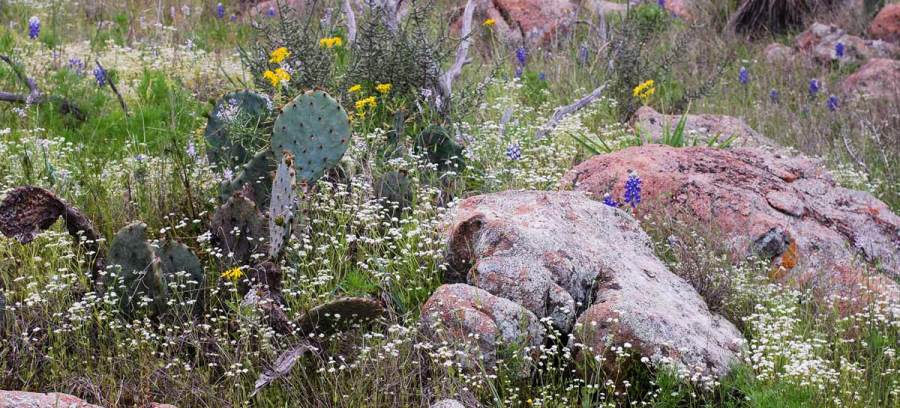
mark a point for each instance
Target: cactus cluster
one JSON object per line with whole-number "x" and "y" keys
{"x": 282, "y": 205}
{"x": 395, "y": 190}
{"x": 147, "y": 271}
{"x": 238, "y": 229}
{"x": 439, "y": 148}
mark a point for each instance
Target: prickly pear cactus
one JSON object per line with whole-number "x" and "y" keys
{"x": 238, "y": 230}
{"x": 395, "y": 189}
{"x": 245, "y": 109}
{"x": 338, "y": 315}
{"x": 435, "y": 142}
{"x": 180, "y": 265}
{"x": 139, "y": 267}
{"x": 282, "y": 205}
{"x": 316, "y": 130}
{"x": 257, "y": 174}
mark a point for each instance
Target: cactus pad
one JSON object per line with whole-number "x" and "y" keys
{"x": 316, "y": 129}
{"x": 140, "y": 268}
{"x": 435, "y": 142}
{"x": 242, "y": 108}
{"x": 396, "y": 190}
{"x": 282, "y": 205}
{"x": 238, "y": 229}
{"x": 257, "y": 174}
{"x": 324, "y": 319}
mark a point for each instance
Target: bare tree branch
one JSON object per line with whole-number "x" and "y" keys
{"x": 562, "y": 111}
{"x": 351, "y": 21}
{"x": 35, "y": 96}
{"x": 462, "y": 52}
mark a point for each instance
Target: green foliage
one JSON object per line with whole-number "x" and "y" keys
{"x": 395, "y": 189}
{"x": 316, "y": 130}
{"x": 439, "y": 148}
{"x": 234, "y": 127}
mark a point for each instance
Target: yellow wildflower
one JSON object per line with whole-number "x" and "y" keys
{"x": 355, "y": 88}
{"x": 363, "y": 103}
{"x": 277, "y": 77}
{"x": 279, "y": 55}
{"x": 644, "y": 91}
{"x": 233, "y": 274}
{"x": 383, "y": 88}
{"x": 331, "y": 42}
{"x": 489, "y": 22}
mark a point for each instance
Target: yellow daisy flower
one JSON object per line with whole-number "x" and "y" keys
{"x": 233, "y": 274}
{"x": 279, "y": 55}
{"x": 355, "y": 88}
{"x": 489, "y": 22}
{"x": 383, "y": 88}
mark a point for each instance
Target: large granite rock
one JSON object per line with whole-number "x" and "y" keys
{"x": 571, "y": 260}
{"x": 23, "y": 399}
{"x": 786, "y": 209}
{"x": 701, "y": 128}
{"x": 878, "y": 79}
{"x": 886, "y": 25}
{"x": 534, "y": 22}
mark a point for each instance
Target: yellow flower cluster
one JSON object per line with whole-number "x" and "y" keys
{"x": 279, "y": 55}
{"x": 489, "y": 22}
{"x": 355, "y": 88}
{"x": 331, "y": 42}
{"x": 277, "y": 77}
{"x": 366, "y": 102}
{"x": 233, "y": 274}
{"x": 383, "y": 88}
{"x": 644, "y": 91}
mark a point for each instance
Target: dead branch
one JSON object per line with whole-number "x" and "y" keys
{"x": 351, "y": 21}
{"x": 563, "y": 111}
{"x": 462, "y": 52}
{"x": 115, "y": 90}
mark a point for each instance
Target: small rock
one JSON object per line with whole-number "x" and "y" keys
{"x": 702, "y": 127}
{"x": 777, "y": 53}
{"x": 886, "y": 25}
{"x": 878, "y": 79}
{"x": 448, "y": 403}
{"x": 23, "y": 399}
{"x": 820, "y": 41}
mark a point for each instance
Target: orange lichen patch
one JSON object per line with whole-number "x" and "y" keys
{"x": 784, "y": 263}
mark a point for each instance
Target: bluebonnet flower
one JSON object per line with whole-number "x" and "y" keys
{"x": 100, "y": 76}
{"x": 542, "y": 76}
{"x": 521, "y": 55}
{"x": 744, "y": 76}
{"x": 234, "y": 17}
{"x": 271, "y": 11}
{"x": 583, "y": 54}
{"x": 514, "y": 152}
{"x": 220, "y": 10}
{"x": 191, "y": 150}
{"x": 774, "y": 96}
{"x": 608, "y": 200}
{"x": 34, "y": 27}
{"x": 832, "y": 103}
{"x": 813, "y": 87}
{"x": 633, "y": 190}
{"x": 839, "y": 50}
{"x": 518, "y": 72}
{"x": 77, "y": 66}
{"x": 661, "y": 3}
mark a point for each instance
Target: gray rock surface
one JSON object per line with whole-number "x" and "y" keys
{"x": 703, "y": 128}
{"x": 569, "y": 259}
{"x": 23, "y": 399}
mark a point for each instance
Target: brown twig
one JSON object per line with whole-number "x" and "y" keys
{"x": 562, "y": 111}
{"x": 115, "y": 90}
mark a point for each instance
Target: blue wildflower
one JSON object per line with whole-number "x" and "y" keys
{"x": 608, "y": 200}
{"x": 832, "y": 103}
{"x": 100, "y": 76}
{"x": 661, "y": 3}
{"x": 220, "y": 10}
{"x": 583, "y": 54}
{"x": 514, "y": 152}
{"x": 518, "y": 72}
{"x": 744, "y": 76}
{"x": 839, "y": 50}
{"x": 521, "y": 55}
{"x": 774, "y": 96}
{"x": 34, "y": 27}
{"x": 270, "y": 12}
{"x": 542, "y": 76}
{"x": 813, "y": 87}
{"x": 76, "y": 65}
{"x": 633, "y": 190}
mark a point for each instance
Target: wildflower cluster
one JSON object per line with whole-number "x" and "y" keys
{"x": 280, "y": 74}
{"x": 644, "y": 91}
{"x": 331, "y": 42}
